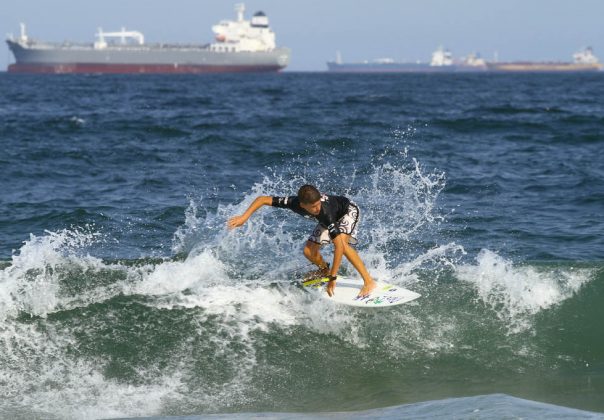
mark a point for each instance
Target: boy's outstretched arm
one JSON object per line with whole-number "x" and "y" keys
{"x": 260, "y": 201}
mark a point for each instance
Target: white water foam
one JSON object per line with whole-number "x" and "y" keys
{"x": 55, "y": 384}
{"x": 71, "y": 387}
{"x": 516, "y": 293}
{"x": 30, "y": 283}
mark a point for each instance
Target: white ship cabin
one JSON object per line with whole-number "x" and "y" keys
{"x": 474, "y": 60}
{"x": 386, "y": 60}
{"x": 23, "y": 39}
{"x": 122, "y": 37}
{"x": 441, "y": 57}
{"x": 243, "y": 35}
{"x": 585, "y": 56}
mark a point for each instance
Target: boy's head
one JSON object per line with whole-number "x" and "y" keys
{"x": 310, "y": 199}
{"x": 307, "y": 194}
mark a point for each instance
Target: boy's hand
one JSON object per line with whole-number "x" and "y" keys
{"x": 236, "y": 221}
{"x": 331, "y": 285}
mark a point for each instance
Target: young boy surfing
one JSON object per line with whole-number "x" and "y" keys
{"x": 338, "y": 219}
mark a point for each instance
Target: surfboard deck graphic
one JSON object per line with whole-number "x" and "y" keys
{"x": 347, "y": 290}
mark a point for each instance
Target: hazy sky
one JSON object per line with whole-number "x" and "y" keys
{"x": 314, "y": 30}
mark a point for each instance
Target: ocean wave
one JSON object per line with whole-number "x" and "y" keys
{"x": 517, "y": 293}
{"x": 87, "y": 338}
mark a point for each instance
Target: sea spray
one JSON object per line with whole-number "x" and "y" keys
{"x": 516, "y": 293}
{"x": 31, "y": 282}
{"x": 397, "y": 197}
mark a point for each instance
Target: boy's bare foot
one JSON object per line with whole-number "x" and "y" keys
{"x": 317, "y": 274}
{"x": 367, "y": 288}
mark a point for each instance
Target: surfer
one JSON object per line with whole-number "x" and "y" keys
{"x": 338, "y": 219}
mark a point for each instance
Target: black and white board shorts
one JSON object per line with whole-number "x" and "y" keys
{"x": 347, "y": 224}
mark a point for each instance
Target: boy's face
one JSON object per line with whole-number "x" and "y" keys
{"x": 313, "y": 208}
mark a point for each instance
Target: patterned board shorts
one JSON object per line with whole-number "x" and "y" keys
{"x": 347, "y": 224}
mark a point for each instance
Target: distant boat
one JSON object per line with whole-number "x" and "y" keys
{"x": 441, "y": 62}
{"x": 583, "y": 60}
{"x": 240, "y": 46}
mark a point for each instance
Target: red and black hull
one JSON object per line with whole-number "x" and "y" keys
{"x": 138, "y": 68}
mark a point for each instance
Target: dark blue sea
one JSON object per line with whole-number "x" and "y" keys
{"x": 122, "y": 293}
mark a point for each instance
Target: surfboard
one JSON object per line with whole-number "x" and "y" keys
{"x": 347, "y": 291}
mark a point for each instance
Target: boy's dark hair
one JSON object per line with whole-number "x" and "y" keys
{"x": 307, "y": 194}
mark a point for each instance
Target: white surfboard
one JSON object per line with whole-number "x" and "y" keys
{"x": 347, "y": 290}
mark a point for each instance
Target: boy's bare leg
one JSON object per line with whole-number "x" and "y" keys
{"x": 357, "y": 263}
{"x": 313, "y": 254}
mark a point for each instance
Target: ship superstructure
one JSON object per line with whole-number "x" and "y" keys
{"x": 239, "y": 46}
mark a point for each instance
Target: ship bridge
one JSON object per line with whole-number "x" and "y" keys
{"x": 244, "y": 35}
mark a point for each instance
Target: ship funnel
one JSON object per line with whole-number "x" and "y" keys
{"x": 23, "y": 37}
{"x": 239, "y": 9}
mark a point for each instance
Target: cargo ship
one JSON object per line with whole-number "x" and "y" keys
{"x": 239, "y": 46}
{"x": 441, "y": 61}
{"x": 583, "y": 60}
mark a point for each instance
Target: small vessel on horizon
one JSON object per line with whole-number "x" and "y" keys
{"x": 240, "y": 46}
{"x": 442, "y": 61}
{"x": 583, "y": 60}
